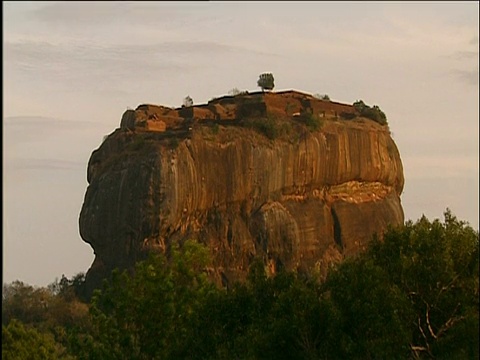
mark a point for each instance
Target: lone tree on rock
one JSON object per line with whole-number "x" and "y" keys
{"x": 266, "y": 81}
{"x": 188, "y": 101}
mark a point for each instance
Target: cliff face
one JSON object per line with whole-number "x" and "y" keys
{"x": 300, "y": 201}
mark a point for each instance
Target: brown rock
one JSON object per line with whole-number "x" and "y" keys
{"x": 299, "y": 204}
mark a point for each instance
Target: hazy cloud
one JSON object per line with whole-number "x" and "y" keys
{"x": 74, "y": 60}
{"x": 427, "y": 166}
{"x": 465, "y": 55}
{"x": 81, "y": 60}
{"x": 78, "y": 13}
{"x": 32, "y": 122}
{"x": 469, "y": 77}
{"x": 44, "y": 164}
{"x": 48, "y": 142}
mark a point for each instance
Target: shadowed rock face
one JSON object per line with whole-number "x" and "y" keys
{"x": 298, "y": 204}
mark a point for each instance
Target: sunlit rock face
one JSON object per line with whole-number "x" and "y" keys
{"x": 300, "y": 201}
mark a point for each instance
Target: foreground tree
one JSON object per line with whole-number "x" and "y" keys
{"x": 266, "y": 81}
{"x": 412, "y": 295}
{"x": 436, "y": 266}
{"x": 20, "y": 342}
{"x": 374, "y": 315}
{"x": 148, "y": 315}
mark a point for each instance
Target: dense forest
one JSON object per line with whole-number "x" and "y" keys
{"x": 412, "y": 295}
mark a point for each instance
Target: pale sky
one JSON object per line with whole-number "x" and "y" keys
{"x": 70, "y": 70}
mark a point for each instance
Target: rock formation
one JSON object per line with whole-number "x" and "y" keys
{"x": 300, "y": 198}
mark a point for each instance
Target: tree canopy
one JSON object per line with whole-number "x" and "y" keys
{"x": 266, "y": 81}
{"x": 412, "y": 294}
{"x": 187, "y": 101}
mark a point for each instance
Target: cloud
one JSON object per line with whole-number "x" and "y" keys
{"x": 127, "y": 12}
{"x": 43, "y": 164}
{"x": 103, "y": 62}
{"x": 34, "y": 122}
{"x": 469, "y": 77}
{"x": 73, "y": 60}
{"x": 25, "y": 133}
{"x": 44, "y": 139}
{"x": 465, "y": 55}
{"x": 425, "y": 166}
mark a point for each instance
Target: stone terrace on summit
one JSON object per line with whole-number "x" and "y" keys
{"x": 288, "y": 103}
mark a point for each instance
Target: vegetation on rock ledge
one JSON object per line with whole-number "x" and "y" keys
{"x": 374, "y": 113}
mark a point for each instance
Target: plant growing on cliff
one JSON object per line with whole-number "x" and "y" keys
{"x": 311, "y": 121}
{"x": 347, "y": 115}
{"x": 266, "y": 126}
{"x": 324, "y": 97}
{"x": 266, "y": 81}
{"x": 236, "y": 91}
{"x": 289, "y": 108}
{"x": 374, "y": 113}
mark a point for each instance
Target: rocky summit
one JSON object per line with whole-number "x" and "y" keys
{"x": 297, "y": 181}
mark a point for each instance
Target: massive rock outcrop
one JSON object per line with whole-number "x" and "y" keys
{"x": 300, "y": 197}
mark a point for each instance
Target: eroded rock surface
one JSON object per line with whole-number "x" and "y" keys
{"x": 300, "y": 202}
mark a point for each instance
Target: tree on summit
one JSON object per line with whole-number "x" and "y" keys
{"x": 266, "y": 81}
{"x": 187, "y": 101}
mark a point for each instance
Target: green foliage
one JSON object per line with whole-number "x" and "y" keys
{"x": 273, "y": 127}
{"x": 187, "y": 101}
{"x": 436, "y": 265}
{"x": 147, "y": 315}
{"x": 311, "y": 121}
{"x": 374, "y": 113}
{"x": 266, "y": 81}
{"x": 20, "y": 342}
{"x": 370, "y": 307}
{"x": 289, "y": 109}
{"x": 324, "y": 97}
{"x": 68, "y": 288}
{"x": 347, "y": 116}
{"x": 236, "y": 91}
{"x": 24, "y": 302}
{"x": 55, "y": 311}
{"x": 363, "y": 310}
{"x": 279, "y": 317}
{"x": 266, "y": 126}
{"x": 414, "y": 294}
